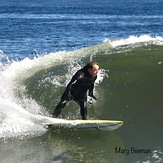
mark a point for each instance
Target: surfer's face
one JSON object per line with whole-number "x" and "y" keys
{"x": 93, "y": 71}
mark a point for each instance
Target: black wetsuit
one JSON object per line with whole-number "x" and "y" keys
{"x": 76, "y": 90}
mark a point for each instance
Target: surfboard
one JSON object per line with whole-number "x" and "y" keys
{"x": 84, "y": 124}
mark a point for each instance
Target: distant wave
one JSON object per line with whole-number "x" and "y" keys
{"x": 136, "y": 39}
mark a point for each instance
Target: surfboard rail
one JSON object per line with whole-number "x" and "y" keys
{"x": 84, "y": 124}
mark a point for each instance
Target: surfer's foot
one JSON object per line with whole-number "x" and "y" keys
{"x": 54, "y": 115}
{"x": 56, "y": 112}
{"x": 84, "y": 118}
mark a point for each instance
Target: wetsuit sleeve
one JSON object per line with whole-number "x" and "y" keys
{"x": 91, "y": 90}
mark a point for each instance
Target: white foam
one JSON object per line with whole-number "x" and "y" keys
{"x": 20, "y": 115}
{"x": 16, "y": 120}
{"x": 135, "y": 39}
{"x": 101, "y": 75}
{"x": 155, "y": 157}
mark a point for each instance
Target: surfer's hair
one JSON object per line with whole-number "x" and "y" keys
{"x": 90, "y": 65}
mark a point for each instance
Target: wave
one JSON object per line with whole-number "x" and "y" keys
{"x": 26, "y": 83}
{"x": 147, "y": 39}
{"x": 76, "y": 16}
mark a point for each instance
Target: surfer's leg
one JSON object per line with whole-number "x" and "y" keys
{"x": 64, "y": 100}
{"x": 59, "y": 108}
{"x": 83, "y": 109}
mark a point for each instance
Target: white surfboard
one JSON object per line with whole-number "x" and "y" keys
{"x": 84, "y": 124}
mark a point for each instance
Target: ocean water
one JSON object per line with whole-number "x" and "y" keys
{"x": 43, "y": 43}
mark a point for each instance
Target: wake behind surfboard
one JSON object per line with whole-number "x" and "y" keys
{"x": 84, "y": 124}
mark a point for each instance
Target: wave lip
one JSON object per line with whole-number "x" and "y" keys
{"x": 158, "y": 40}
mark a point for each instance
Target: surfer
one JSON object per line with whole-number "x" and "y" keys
{"x": 82, "y": 81}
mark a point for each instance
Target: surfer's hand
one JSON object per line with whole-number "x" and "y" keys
{"x": 93, "y": 97}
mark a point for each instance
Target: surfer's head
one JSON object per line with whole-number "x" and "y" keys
{"x": 92, "y": 68}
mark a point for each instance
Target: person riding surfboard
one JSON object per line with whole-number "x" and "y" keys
{"x": 81, "y": 83}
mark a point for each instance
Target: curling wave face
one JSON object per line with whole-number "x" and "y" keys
{"x": 30, "y": 87}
